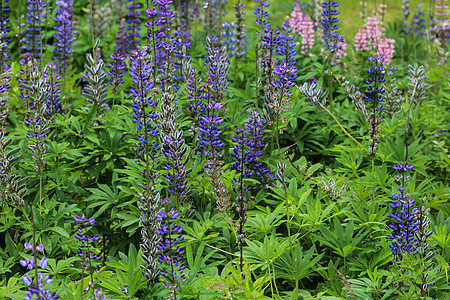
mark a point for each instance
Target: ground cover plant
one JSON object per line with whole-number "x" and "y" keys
{"x": 180, "y": 149}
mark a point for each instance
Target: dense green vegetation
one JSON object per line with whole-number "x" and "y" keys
{"x": 235, "y": 161}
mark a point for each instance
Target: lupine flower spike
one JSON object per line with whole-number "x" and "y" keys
{"x": 331, "y": 35}
{"x": 371, "y": 37}
{"x": 12, "y": 186}
{"x": 247, "y": 151}
{"x": 4, "y": 31}
{"x": 65, "y": 33}
{"x": 374, "y": 95}
{"x": 404, "y": 225}
{"x": 133, "y": 23}
{"x": 89, "y": 259}
{"x": 36, "y": 94}
{"x": 36, "y": 286}
{"x": 35, "y": 19}
{"x": 241, "y": 30}
{"x": 144, "y": 116}
{"x": 303, "y": 26}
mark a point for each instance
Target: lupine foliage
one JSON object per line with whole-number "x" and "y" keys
{"x": 182, "y": 149}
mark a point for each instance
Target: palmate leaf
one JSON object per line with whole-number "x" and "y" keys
{"x": 298, "y": 268}
{"x": 343, "y": 242}
{"x": 263, "y": 255}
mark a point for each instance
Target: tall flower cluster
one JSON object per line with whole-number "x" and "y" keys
{"x": 171, "y": 254}
{"x": 143, "y": 105}
{"x": 86, "y": 249}
{"x": 96, "y": 91}
{"x": 262, "y": 15}
{"x": 217, "y": 63}
{"x": 4, "y": 93}
{"x": 404, "y": 224}
{"x": 121, "y": 37}
{"x": 35, "y": 93}
{"x": 417, "y": 24}
{"x": 393, "y": 97}
{"x": 172, "y": 145}
{"x": 284, "y": 74}
{"x": 197, "y": 94}
{"x": 267, "y": 62}
{"x": 241, "y": 30}
{"x": 162, "y": 37}
{"x": 133, "y": 22}
{"x": 371, "y": 37}
{"x": 406, "y": 12}
{"x": 329, "y": 22}
{"x": 64, "y": 38}
{"x": 4, "y": 30}
{"x": 247, "y": 152}
{"x": 35, "y": 19}
{"x": 303, "y": 26}
{"x": 144, "y": 116}
{"x": 374, "y": 95}
{"x": 117, "y": 71}
{"x": 12, "y": 186}
{"x": 53, "y": 105}
{"x": 36, "y": 286}
{"x": 210, "y": 142}
{"x": 422, "y": 235}
{"x": 228, "y": 37}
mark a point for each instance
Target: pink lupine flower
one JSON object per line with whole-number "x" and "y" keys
{"x": 371, "y": 37}
{"x": 303, "y": 26}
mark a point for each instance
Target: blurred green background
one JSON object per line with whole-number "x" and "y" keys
{"x": 349, "y": 12}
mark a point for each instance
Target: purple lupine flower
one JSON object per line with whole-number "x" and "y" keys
{"x": 4, "y": 30}
{"x": 247, "y": 152}
{"x": 228, "y": 38}
{"x": 181, "y": 43}
{"x": 272, "y": 97}
{"x": 417, "y": 25}
{"x": 210, "y": 142}
{"x": 117, "y": 71}
{"x": 121, "y": 38}
{"x": 196, "y": 93}
{"x": 262, "y": 15}
{"x": 329, "y": 24}
{"x": 64, "y": 37}
{"x": 133, "y": 22}
{"x": 286, "y": 48}
{"x": 98, "y": 295}
{"x": 35, "y": 18}
{"x": 86, "y": 249}
{"x": 241, "y": 30}
{"x": 35, "y": 92}
{"x": 217, "y": 63}
{"x": 171, "y": 254}
{"x": 163, "y": 42}
{"x": 36, "y": 291}
{"x": 172, "y": 143}
{"x": 404, "y": 214}
{"x": 286, "y": 71}
{"x": 374, "y": 95}
{"x": 53, "y": 105}
{"x": 4, "y": 90}
{"x": 143, "y": 113}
